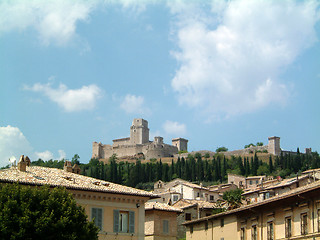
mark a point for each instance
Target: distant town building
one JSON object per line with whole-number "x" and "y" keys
{"x": 160, "y": 221}
{"x": 292, "y": 215}
{"x": 192, "y": 209}
{"x": 138, "y": 144}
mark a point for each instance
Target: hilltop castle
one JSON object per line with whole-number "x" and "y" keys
{"x": 138, "y": 143}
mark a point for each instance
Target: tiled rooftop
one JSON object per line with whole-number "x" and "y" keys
{"x": 185, "y": 203}
{"x": 59, "y": 177}
{"x": 294, "y": 192}
{"x": 160, "y": 206}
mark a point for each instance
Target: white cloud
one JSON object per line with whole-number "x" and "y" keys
{"x": 134, "y": 104}
{"x": 71, "y": 100}
{"x": 174, "y": 128}
{"x": 12, "y": 143}
{"x": 47, "y": 155}
{"x": 62, "y": 154}
{"x": 54, "y": 20}
{"x": 232, "y": 58}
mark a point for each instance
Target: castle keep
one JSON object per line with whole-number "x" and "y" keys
{"x": 138, "y": 143}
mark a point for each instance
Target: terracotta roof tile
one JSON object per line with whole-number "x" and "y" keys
{"x": 160, "y": 206}
{"x": 57, "y": 177}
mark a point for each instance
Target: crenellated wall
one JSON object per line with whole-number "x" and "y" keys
{"x": 137, "y": 143}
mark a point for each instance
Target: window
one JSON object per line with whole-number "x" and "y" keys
{"x": 96, "y": 216}
{"x": 304, "y": 223}
{"x": 250, "y": 182}
{"x": 211, "y": 197}
{"x": 191, "y": 229}
{"x": 257, "y": 181}
{"x": 254, "y": 232}
{"x": 205, "y": 225}
{"x": 270, "y": 232}
{"x": 188, "y": 216}
{"x": 242, "y": 233}
{"x": 267, "y": 195}
{"x": 175, "y": 198}
{"x": 123, "y": 221}
{"x": 165, "y": 226}
{"x": 222, "y": 222}
{"x": 198, "y": 194}
{"x": 288, "y": 227}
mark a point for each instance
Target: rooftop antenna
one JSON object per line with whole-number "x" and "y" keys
{"x": 12, "y": 160}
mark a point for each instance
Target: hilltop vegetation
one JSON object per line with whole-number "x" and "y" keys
{"x": 194, "y": 168}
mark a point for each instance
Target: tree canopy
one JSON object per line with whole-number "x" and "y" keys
{"x": 234, "y": 198}
{"x": 221, "y": 149}
{"x": 42, "y": 213}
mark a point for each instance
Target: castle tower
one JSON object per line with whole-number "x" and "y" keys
{"x": 180, "y": 143}
{"x": 139, "y": 131}
{"x": 158, "y": 140}
{"x": 274, "y": 146}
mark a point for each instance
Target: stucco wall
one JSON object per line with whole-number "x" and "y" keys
{"x": 110, "y": 202}
{"x": 156, "y": 218}
{"x": 275, "y": 213}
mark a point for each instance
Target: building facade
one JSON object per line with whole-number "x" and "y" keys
{"x": 160, "y": 221}
{"x": 293, "y": 215}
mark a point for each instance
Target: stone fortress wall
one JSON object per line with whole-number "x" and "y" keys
{"x": 138, "y": 143}
{"x": 273, "y": 147}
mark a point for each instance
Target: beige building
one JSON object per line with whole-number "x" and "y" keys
{"x": 275, "y": 188}
{"x": 160, "y": 221}
{"x": 192, "y": 209}
{"x": 138, "y": 144}
{"x": 246, "y": 182}
{"x": 293, "y": 215}
{"x": 118, "y": 210}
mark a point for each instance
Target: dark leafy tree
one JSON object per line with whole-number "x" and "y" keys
{"x": 75, "y": 159}
{"x": 41, "y": 213}
{"x": 270, "y": 164}
{"x": 221, "y": 149}
{"x": 234, "y": 198}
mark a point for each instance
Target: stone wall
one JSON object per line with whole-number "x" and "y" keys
{"x": 137, "y": 143}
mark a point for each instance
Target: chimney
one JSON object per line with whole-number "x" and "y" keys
{"x": 67, "y": 166}
{"x": 27, "y": 160}
{"x": 22, "y": 165}
{"x": 76, "y": 169}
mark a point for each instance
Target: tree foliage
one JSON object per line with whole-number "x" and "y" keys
{"x": 221, "y": 149}
{"x": 42, "y": 213}
{"x": 195, "y": 168}
{"x": 234, "y": 198}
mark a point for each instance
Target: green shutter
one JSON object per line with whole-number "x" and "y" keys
{"x": 131, "y": 222}
{"x": 99, "y": 218}
{"x": 93, "y": 213}
{"x": 115, "y": 220}
{"x": 96, "y": 216}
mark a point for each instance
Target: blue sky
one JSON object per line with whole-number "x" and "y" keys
{"x": 219, "y": 73}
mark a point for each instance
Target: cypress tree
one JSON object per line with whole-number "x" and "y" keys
{"x": 270, "y": 164}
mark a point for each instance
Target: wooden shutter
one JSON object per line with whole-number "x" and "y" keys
{"x": 131, "y": 222}
{"x": 115, "y": 220}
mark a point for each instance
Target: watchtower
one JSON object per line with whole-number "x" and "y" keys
{"x": 180, "y": 143}
{"x": 139, "y": 131}
{"x": 274, "y": 146}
